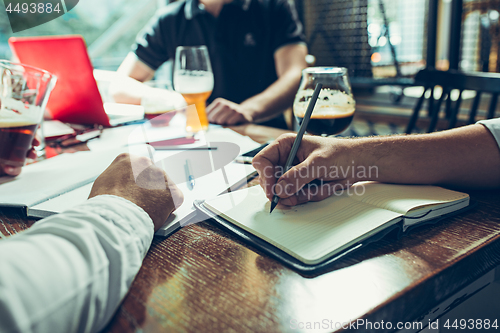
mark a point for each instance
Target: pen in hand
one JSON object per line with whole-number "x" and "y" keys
{"x": 298, "y": 138}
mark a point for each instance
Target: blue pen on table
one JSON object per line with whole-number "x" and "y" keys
{"x": 298, "y": 138}
{"x": 189, "y": 175}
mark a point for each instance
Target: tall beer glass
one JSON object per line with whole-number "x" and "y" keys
{"x": 335, "y": 106}
{"x": 193, "y": 78}
{"x": 24, "y": 93}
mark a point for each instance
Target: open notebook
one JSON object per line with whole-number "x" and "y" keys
{"x": 314, "y": 232}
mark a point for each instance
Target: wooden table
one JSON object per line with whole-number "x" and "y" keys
{"x": 202, "y": 279}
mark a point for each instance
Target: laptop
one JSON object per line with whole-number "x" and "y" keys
{"x": 75, "y": 98}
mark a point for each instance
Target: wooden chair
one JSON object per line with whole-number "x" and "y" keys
{"x": 481, "y": 83}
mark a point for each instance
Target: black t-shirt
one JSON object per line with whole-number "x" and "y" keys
{"x": 241, "y": 42}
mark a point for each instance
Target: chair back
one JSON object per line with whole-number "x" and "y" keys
{"x": 481, "y": 83}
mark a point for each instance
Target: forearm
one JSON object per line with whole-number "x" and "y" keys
{"x": 71, "y": 271}
{"x": 129, "y": 87}
{"x": 276, "y": 98}
{"x": 128, "y": 90}
{"x": 465, "y": 157}
{"x": 290, "y": 61}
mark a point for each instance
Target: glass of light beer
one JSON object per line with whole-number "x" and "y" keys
{"x": 193, "y": 78}
{"x": 24, "y": 93}
{"x": 335, "y": 106}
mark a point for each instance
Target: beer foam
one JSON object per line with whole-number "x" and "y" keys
{"x": 330, "y": 104}
{"x": 14, "y": 123}
{"x": 193, "y": 82}
{"x": 23, "y": 115}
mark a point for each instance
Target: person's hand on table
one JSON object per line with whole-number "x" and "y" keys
{"x": 224, "y": 112}
{"x": 153, "y": 190}
{"x": 8, "y": 170}
{"x": 316, "y": 159}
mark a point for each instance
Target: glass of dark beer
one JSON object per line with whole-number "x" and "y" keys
{"x": 335, "y": 106}
{"x": 24, "y": 93}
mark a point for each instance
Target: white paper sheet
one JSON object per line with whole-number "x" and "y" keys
{"x": 47, "y": 179}
{"x": 206, "y": 187}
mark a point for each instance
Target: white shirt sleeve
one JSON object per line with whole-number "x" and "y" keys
{"x": 69, "y": 272}
{"x": 493, "y": 125}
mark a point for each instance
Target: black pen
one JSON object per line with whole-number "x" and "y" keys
{"x": 298, "y": 138}
{"x": 186, "y": 148}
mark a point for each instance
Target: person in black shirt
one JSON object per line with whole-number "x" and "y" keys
{"x": 256, "y": 47}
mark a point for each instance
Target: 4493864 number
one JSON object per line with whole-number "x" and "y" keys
{"x": 477, "y": 324}
{"x": 32, "y": 8}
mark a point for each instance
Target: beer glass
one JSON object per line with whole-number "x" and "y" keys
{"x": 193, "y": 78}
{"x": 24, "y": 93}
{"x": 335, "y": 106}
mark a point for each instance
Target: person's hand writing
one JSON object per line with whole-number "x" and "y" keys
{"x": 152, "y": 189}
{"x": 9, "y": 170}
{"x": 224, "y": 112}
{"x": 324, "y": 159}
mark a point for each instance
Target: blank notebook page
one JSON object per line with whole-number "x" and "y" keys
{"x": 308, "y": 232}
{"x": 403, "y": 198}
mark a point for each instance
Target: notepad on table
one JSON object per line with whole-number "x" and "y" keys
{"x": 314, "y": 232}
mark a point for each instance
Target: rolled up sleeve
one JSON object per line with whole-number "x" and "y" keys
{"x": 69, "y": 272}
{"x": 493, "y": 125}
